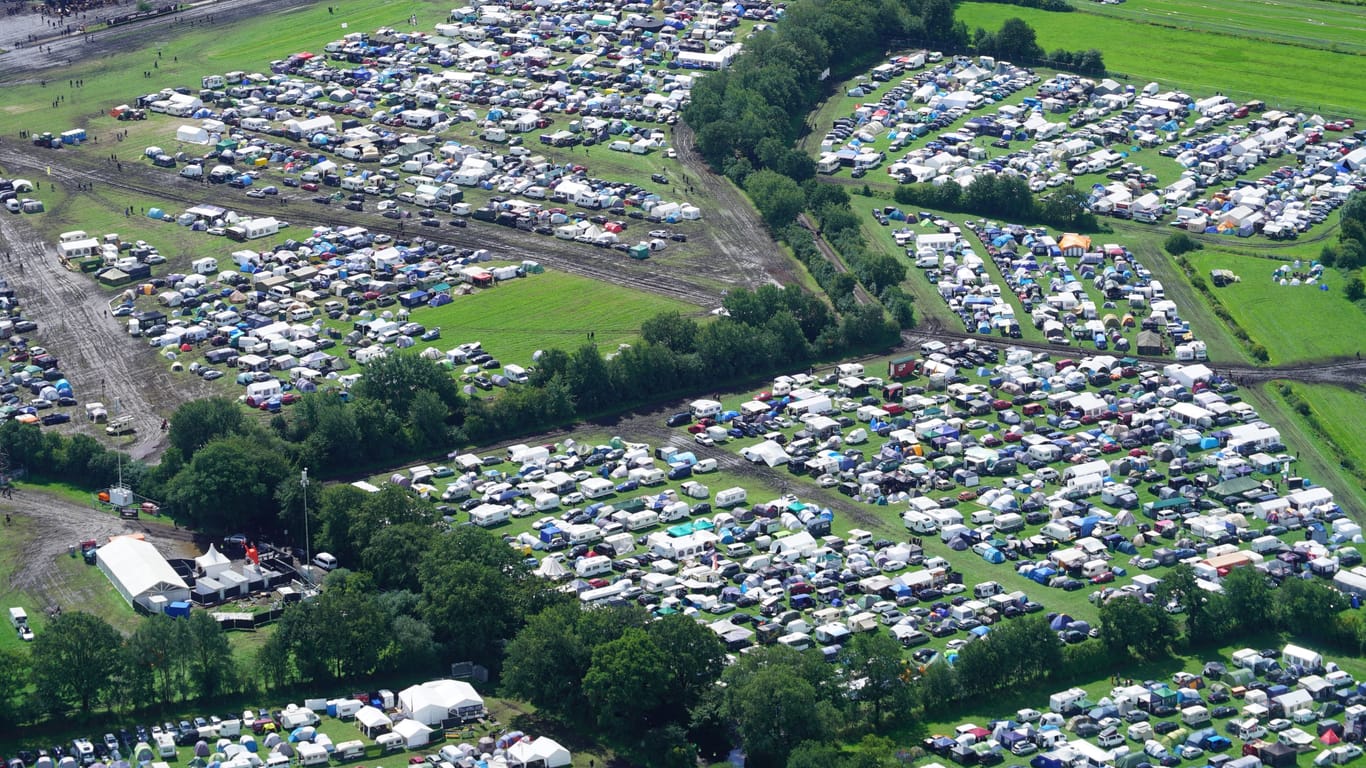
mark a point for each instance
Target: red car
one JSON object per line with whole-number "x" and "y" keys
{"x": 1103, "y": 578}
{"x": 289, "y": 398}
{"x": 308, "y": 186}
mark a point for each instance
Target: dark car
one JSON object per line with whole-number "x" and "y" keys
{"x": 1165, "y": 727}
{"x": 679, "y": 419}
{"x": 1223, "y": 711}
{"x": 53, "y": 419}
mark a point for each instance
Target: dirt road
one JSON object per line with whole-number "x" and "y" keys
{"x": 99, "y": 359}
{"x": 734, "y": 231}
{"x": 55, "y": 524}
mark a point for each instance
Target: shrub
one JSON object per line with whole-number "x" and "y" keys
{"x": 1180, "y": 243}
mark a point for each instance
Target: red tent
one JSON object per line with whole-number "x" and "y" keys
{"x": 1330, "y": 738}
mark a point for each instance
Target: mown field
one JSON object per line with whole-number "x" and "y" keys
{"x": 1307, "y": 23}
{"x": 1200, "y": 62}
{"x": 552, "y": 309}
{"x": 1294, "y": 323}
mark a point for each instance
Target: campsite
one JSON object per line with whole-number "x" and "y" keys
{"x": 606, "y": 352}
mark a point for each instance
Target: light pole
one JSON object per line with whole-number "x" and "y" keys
{"x": 303, "y": 483}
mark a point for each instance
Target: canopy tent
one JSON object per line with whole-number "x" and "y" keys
{"x": 212, "y": 562}
{"x": 436, "y": 701}
{"x": 139, "y": 572}
{"x": 415, "y": 735}
{"x": 373, "y": 722}
{"x": 537, "y": 753}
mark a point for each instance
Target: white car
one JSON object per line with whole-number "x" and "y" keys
{"x": 1277, "y": 725}
{"x": 1028, "y": 715}
{"x": 953, "y": 589}
{"x": 25, "y": 633}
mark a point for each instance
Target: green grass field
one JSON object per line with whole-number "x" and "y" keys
{"x": 1305, "y": 23}
{"x": 553, "y": 309}
{"x": 1288, "y": 320}
{"x": 1345, "y": 447}
{"x": 1199, "y": 62}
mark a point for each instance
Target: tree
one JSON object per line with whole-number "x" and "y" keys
{"x": 198, "y": 422}
{"x": 470, "y": 605}
{"x": 1355, "y": 290}
{"x": 694, "y": 658}
{"x": 210, "y": 655}
{"x": 339, "y": 634}
{"x": 777, "y": 197}
{"x": 875, "y": 657}
{"x": 230, "y": 485}
{"x": 671, "y": 330}
{"x": 628, "y": 684}
{"x": 394, "y": 552}
{"x": 774, "y": 711}
{"x": 74, "y": 661}
{"x": 1251, "y": 599}
{"x": 396, "y": 380}
{"x": 154, "y": 659}
{"x": 1129, "y": 626}
{"x": 14, "y": 674}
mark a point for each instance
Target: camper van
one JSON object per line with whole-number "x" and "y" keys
{"x": 588, "y": 567}
{"x": 730, "y": 497}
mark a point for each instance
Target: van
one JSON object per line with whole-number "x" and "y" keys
{"x": 704, "y": 466}
{"x": 17, "y": 617}
{"x": 325, "y": 561}
{"x": 731, "y": 497}
{"x": 1250, "y": 729}
{"x": 919, "y": 522}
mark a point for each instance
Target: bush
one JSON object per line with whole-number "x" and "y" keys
{"x": 1180, "y": 243}
{"x": 1259, "y": 353}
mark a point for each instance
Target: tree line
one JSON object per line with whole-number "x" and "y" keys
{"x": 1004, "y": 197}
{"x": 226, "y": 471}
{"x": 78, "y": 661}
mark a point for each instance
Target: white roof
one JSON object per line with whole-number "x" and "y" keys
{"x": 212, "y": 561}
{"x": 370, "y": 717}
{"x": 542, "y": 749}
{"x": 432, "y": 700}
{"x": 409, "y": 728}
{"x": 138, "y": 566}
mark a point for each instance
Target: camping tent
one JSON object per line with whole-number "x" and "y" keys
{"x": 191, "y": 134}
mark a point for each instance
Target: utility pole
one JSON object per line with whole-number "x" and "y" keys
{"x": 303, "y": 483}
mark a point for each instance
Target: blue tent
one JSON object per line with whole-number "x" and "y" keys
{"x": 993, "y": 555}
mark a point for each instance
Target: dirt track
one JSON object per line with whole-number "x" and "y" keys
{"x": 57, "y": 524}
{"x": 733, "y": 230}
{"x": 99, "y": 358}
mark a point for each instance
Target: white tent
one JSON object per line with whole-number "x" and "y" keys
{"x": 139, "y": 572}
{"x": 213, "y": 562}
{"x": 552, "y": 568}
{"x": 415, "y": 735}
{"x": 436, "y": 701}
{"x": 192, "y": 135}
{"x": 372, "y": 721}
{"x": 538, "y": 753}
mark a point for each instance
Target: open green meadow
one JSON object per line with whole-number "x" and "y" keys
{"x": 552, "y": 309}
{"x": 1295, "y": 323}
{"x": 1202, "y": 63}
{"x": 1307, "y": 23}
{"x": 1328, "y": 414}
